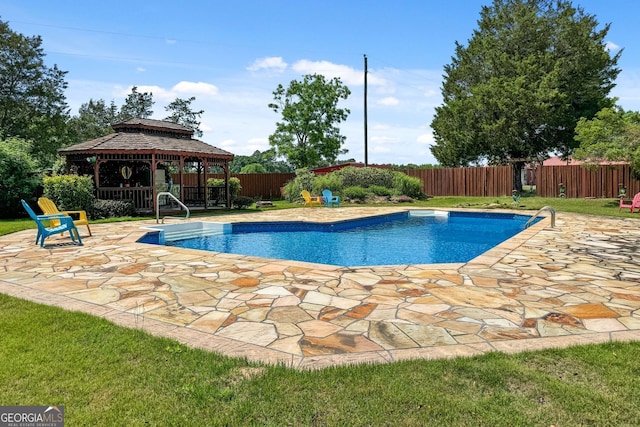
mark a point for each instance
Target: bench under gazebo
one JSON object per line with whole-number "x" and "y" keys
{"x": 145, "y": 157}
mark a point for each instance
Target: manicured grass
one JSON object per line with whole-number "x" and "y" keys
{"x": 107, "y": 375}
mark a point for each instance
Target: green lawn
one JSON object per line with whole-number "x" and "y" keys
{"x": 105, "y": 375}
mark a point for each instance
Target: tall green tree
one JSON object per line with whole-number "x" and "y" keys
{"x": 136, "y": 104}
{"x": 17, "y": 178}
{"x": 94, "y": 120}
{"x": 182, "y": 114}
{"x": 308, "y": 134}
{"x": 32, "y": 102}
{"x": 267, "y": 159}
{"x": 612, "y": 135}
{"x": 530, "y": 71}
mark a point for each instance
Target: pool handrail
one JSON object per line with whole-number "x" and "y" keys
{"x": 166, "y": 193}
{"x": 544, "y": 208}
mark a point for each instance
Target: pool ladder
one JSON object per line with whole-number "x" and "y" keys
{"x": 166, "y": 193}
{"x": 544, "y": 208}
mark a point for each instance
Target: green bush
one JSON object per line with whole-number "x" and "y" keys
{"x": 355, "y": 193}
{"x": 366, "y": 177}
{"x": 242, "y": 202}
{"x": 111, "y": 209}
{"x": 406, "y": 185}
{"x": 18, "y": 179}
{"x": 234, "y": 185}
{"x": 69, "y": 192}
{"x": 303, "y": 181}
{"x": 379, "y": 190}
{"x": 331, "y": 181}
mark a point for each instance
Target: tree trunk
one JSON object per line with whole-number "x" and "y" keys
{"x": 517, "y": 176}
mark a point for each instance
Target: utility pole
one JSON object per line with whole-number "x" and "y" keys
{"x": 366, "y": 154}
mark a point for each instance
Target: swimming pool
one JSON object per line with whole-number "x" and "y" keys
{"x": 413, "y": 237}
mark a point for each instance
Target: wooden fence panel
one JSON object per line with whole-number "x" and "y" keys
{"x": 256, "y": 185}
{"x": 603, "y": 182}
{"x": 493, "y": 181}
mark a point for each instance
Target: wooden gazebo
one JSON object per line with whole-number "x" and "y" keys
{"x": 144, "y": 157}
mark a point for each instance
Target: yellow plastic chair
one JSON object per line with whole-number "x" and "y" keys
{"x": 50, "y": 208}
{"x": 310, "y": 200}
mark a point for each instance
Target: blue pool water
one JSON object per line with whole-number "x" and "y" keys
{"x": 403, "y": 238}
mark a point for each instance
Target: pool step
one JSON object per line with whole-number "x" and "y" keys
{"x": 188, "y": 234}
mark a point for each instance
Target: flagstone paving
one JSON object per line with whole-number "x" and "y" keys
{"x": 577, "y": 283}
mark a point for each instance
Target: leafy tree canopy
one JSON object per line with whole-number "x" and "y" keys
{"x": 32, "y": 102}
{"x": 17, "y": 180}
{"x": 136, "y": 105}
{"x": 530, "y": 71}
{"x": 182, "y": 114}
{"x": 94, "y": 120}
{"x": 253, "y": 168}
{"x": 308, "y": 134}
{"x": 612, "y": 135}
{"x": 267, "y": 159}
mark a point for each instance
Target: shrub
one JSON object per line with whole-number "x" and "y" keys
{"x": 69, "y": 192}
{"x": 355, "y": 193}
{"x": 111, "y": 209}
{"x": 234, "y": 185}
{"x": 303, "y": 181}
{"x": 17, "y": 177}
{"x": 242, "y": 202}
{"x": 366, "y": 177}
{"x": 331, "y": 181}
{"x": 379, "y": 190}
{"x": 407, "y": 185}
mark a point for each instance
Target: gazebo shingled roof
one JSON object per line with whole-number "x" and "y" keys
{"x": 125, "y": 141}
{"x": 147, "y": 135}
{"x": 151, "y": 142}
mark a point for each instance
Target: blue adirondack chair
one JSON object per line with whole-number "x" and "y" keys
{"x": 330, "y": 199}
{"x": 65, "y": 224}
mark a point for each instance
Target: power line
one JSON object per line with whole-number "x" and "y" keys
{"x": 89, "y": 30}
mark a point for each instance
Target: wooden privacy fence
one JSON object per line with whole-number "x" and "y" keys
{"x": 495, "y": 181}
{"x": 604, "y": 181}
{"x": 476, "y": 181}
{"x": 264, "y": 186}
{"x": 492, "y": 181}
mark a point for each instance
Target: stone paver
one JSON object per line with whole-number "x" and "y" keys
{"x": 573, "y": 284}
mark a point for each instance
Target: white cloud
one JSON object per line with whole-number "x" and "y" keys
{"x": 430, "y": 93}
{"x": 348, "y": 75}
{"x": 141, "y": 69}
{"x": 272, "y": 63}
{"x": 381, "y": 149}
{"x": 170, "y": 41}
{"x": 611, "y": 46}
{"x": 382, "y": 140}
{"x": 243, "y": 149}
{"x": 227, "y": 144}
{"x": 196, "y": 89}
{"x": 388, "y": 101}
{"x": 157, "y": 92}
{"x": 425, "y": 138}
{"x": 182, "y": 89}
{"x": 259, "y": 141}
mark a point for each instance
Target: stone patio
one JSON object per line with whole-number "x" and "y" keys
{"x": 573, "y": 284}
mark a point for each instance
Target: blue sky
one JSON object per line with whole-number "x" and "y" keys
{"x": 231, "y": 55}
